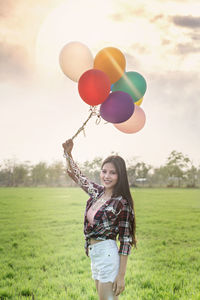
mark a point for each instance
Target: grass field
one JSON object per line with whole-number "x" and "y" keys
{"x": 42, "y": 245}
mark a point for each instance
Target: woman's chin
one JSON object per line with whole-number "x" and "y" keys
{"x": 108, "y": 185}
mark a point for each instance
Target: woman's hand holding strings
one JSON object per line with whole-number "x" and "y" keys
{"x": 68, "y": 146}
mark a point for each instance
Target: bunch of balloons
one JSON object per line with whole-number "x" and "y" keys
{"x": 103, "y": 80}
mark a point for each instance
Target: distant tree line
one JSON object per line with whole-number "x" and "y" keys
{"x": 178, "y": 171}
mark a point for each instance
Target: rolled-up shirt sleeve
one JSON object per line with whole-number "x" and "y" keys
{"x": 125, "y": 217}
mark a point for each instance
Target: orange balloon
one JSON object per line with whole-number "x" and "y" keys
{"x": 111, "y": 61}
{"x": 135, "y": 123}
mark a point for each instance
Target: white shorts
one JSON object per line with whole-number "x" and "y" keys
{"x": 104, "y": 260}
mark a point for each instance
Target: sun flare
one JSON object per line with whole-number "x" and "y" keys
{"x": 68, "y": 23}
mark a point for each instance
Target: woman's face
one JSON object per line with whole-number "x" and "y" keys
{"x": 108, "y": 175}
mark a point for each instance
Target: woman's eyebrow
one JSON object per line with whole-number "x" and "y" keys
{"x": 112, "y": 170}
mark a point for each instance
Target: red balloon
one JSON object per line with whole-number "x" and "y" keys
{"x": 94, "y": 87}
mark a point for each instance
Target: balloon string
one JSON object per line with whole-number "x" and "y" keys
{"x": 82, "y": 128}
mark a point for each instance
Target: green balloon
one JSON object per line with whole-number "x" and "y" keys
{"x": 132, "y": 83}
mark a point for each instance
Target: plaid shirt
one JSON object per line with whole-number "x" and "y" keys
{"x": 110, "y": 220}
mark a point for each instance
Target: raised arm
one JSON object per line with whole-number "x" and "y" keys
{"x": 75, "y": 173}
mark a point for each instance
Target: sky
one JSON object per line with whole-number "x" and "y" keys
{"x": 41, "y": 107}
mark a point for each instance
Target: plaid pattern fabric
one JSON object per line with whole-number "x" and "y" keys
{"x": 113, "y": 217}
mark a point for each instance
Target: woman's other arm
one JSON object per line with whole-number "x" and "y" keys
{"x": 125, "y": 239}
{"x": 125, "y": 217}
{"x": 119, "y": 283}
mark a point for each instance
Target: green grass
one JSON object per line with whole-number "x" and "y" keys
{"x": 42, "y": 245}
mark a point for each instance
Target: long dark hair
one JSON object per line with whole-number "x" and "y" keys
{"x": 122, "y": 187}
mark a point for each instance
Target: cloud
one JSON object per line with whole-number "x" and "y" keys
{"x": 172, "y": 103}
{"x": 186, "y": 21}
{"x": 127, "y": 11}
{"x": 6, "y": 7}
{"x": 131, "y": 62}
{"x": 176, "y": 94}
{"x": 13, "y": 62}
{"x": 187, "y": 48}
{"x": 195, "y": 36}
{"x": 156, "y": 18}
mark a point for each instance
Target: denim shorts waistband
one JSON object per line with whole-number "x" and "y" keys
{"x": 103, "y": 244}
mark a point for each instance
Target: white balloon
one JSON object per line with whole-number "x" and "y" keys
{"x": 75, "y": 59}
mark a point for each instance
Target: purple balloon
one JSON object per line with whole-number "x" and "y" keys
{"x": 117, "y": 108}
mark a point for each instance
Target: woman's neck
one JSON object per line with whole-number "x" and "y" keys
{"x": 108, "y": 193}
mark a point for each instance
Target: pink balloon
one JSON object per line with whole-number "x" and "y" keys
{"x": 135, "y": 123}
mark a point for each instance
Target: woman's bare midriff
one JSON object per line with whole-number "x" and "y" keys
{"x": 93, "y": 241}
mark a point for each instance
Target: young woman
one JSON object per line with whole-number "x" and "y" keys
{"x": 109, "y": 213}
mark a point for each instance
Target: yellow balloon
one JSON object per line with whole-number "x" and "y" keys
{"x": 139, "y": 102}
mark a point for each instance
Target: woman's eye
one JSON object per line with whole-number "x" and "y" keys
{"x": 112, "y": 172}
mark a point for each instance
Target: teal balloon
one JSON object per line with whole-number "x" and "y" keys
{"x": 132, "y": 83}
